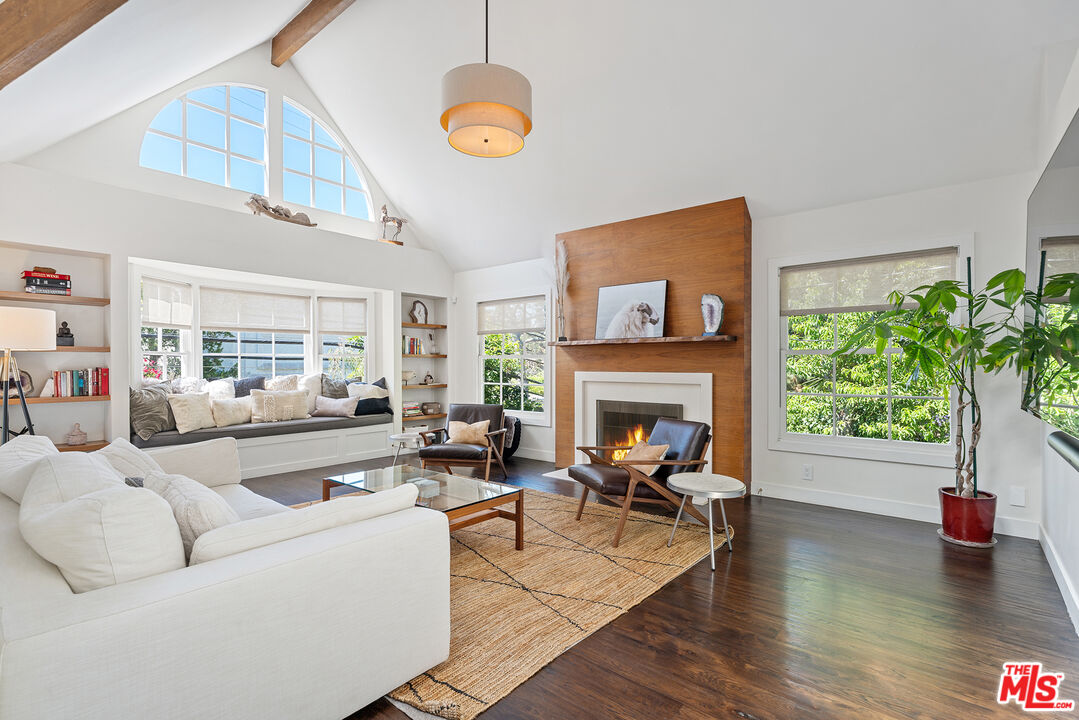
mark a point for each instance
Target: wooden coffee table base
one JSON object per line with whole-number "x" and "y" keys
{"x": 475, "y": 513}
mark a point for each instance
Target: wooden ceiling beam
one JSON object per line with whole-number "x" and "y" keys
{"x": 33, "y": 30}
{"x": 300, "y": 29}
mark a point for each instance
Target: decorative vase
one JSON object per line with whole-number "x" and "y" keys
{"x": 967, "y": 521}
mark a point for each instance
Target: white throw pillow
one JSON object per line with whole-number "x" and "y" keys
{"x": 187, "y": 385}
{"x": 267, "y": 406}
{"x": 282, "y": 383}
{"x": 127, "y": 459}
{"x": 221, "y": 389}
{"x": 312, "y": 384}
{"x": 193, "y": 411}
{"x": 335, "y": 407}
{"x": 261, "y": 531}
{"x": 231, "y": 411}
{"x": 17, "y": 459}
{"x": 366, "y": 391}
{"x": 79, "y": 515}
{"x": 197, "y": 508}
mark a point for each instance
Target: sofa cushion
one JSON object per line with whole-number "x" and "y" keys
{"x": 150, "y": 411}
{"x": 253, "y": 430}
{"x": 193, "y": 412}
{"x": 455, "y": 451}
{"x": 197, "y": 508}
{"x": 78, "y": 514}
{"x": 248, "y": 504}
{"x": 212, "y": 462}
{"x": 17, "y": 459}
{"x": 231, "y": 411}
{"x": 259, "y": 532}
{"x": 268, "y": 406}
{"x": 127, "y": 459}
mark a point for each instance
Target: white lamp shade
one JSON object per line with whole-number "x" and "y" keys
{"x": 486, "y": 109}
{"x": 24, "y": 329}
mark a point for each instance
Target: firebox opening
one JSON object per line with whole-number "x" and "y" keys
{"x": 625, "y": 423}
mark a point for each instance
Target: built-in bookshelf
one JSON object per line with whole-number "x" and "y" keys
{"x": 423, "y": 350}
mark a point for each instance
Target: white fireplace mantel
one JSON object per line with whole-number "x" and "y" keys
{"x": 691, "y": 390}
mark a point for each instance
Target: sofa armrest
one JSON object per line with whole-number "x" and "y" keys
{"x": 212, "y": 462}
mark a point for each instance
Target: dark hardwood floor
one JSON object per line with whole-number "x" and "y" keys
{"x": 818, "y": 613}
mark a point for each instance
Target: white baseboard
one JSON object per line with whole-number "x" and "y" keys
{"x": 1064, "y": 581}
{"x": 535, "y": 454}
{"x": 893, "y": 508}
{"x": 302, "y": 451}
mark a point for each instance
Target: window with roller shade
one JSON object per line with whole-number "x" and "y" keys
{"x": 245, "y": 334}
{"x": 342, "y": 327}
{"x": 165, "y": 318}
{"x": 1058, "y": 404}
{"x": 860, "y": 396}
{"x": 513, "y": 353}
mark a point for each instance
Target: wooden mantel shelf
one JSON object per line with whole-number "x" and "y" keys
{"x": 642, "y": 341}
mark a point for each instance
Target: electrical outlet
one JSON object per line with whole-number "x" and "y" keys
{"x": 807, "y": 472}
{"x": 1017, "y": 496}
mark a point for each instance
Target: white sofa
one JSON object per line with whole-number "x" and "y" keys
{"x": 313, "y": 627}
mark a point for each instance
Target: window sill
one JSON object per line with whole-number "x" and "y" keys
{"x": 529, "y": 418}
{"x": 876, "y": 450}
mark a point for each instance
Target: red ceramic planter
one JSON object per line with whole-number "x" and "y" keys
{"x": 967, "y": 521}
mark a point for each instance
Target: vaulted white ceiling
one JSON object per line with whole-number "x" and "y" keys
{"x": 639, "y": 107}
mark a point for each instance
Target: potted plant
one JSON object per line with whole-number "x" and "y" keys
{"x": 951, "y": 344}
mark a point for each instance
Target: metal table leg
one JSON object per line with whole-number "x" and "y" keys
{"x": 711, "y": 537}
{"x": 399, "y": 446}
{"x": 726, "y": 527}
{"x": 676, "y": 519}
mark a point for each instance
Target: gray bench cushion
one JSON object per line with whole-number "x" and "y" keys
{"x": 251, "y": 430}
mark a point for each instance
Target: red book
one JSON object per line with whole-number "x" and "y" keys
{"x": 51, "y": 276}
{"x": 104, "y": 381}
{"x": 97, "y": 382}
{"x": 56, "y": 383}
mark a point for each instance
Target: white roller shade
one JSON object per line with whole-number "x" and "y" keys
{"x": 861, "y": 284}
{"x": 253, "y": 312}
{"x": 342, "y": 316}
{"x": 165, "y": 303}
{"x": 1061, "y": 255}
{"x": 516, "y": 315}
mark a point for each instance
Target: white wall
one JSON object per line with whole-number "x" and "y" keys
{"x": 532, "y": 277}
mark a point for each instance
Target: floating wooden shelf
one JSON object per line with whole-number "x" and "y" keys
{"x": 416, "y": 355}
{"x": 428, "y": 326}
{"x": 85, "y": 447}
{"x": 421, "y": 387}
{"x": 642, "y": 341}
{"x": 410, "y": 418}
{"x": 12, "y": 296}
{"x": 77, "y": 349}
{"x": 44, "y": 400}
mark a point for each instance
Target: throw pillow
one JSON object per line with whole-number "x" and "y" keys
{"x": 282, "y": 383}
{"x": 365, "y": 391}
{"x": 244, "y": 386}
{"x": 474, "y": 434}
{"x": 150, "y": 411}
{"x": 221, "y": 389}
{"x": 335, "y": 407}
{"x": 381, "y": 382}
{"x": 197, "y": 508}
{"x": 313, "y": 385}
{"x": 644, "y": 451}
{"x": 231, "y": 411}
{"x": 127, "y": 459}
{"x": 374, "y": 406}
{"x": 276, "y": 406}
{"x": 192, "y": 411}
{"x": 18, "y": 458}
{"x": 333, "y": 388}
{"x": 185, "y": 385}
{"x": 79, "y": 515}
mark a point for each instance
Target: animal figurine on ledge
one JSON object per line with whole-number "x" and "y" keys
{"x": 397, "y": 222}
{"x": 261, "y": 206}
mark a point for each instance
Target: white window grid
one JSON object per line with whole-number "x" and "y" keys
{"x": 521, "y": 382}
{"x": 359, "y": 353}
{"x": 311, "y": 177}
{"x": 227, "y": 151}
{"x": 160, "y": 356}
{"x": 240, "y": 355}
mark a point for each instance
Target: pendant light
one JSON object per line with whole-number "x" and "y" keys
{"x": 486, "y": 108}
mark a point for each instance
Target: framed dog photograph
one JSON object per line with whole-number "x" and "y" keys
{"x": 635, "y": 310}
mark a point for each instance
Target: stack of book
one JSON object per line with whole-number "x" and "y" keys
{"x": 411, "y": 345}
{"x": 411, "y": 409}
{"x": 46, "y": 283}
{"x": 81, "y": 383}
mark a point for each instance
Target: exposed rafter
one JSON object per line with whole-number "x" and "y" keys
{"x": 33, "y": 30}
{"x": 306, "y": 25}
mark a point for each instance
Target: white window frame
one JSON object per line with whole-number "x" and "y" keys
{"x": 896, "y": 451}
{"x": 538, "y": 419}
{"x": 183, "y": 355}
{"x": 227, "y": 151}
{"x": 240, "y": 355}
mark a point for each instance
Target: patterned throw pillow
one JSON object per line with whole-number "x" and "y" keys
{"x": 282, "y": 382}
{"x": 277, "y": 406}
{"x": 474, "y": 434}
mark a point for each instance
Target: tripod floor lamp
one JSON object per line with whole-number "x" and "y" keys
{"x": 21, "y": 330}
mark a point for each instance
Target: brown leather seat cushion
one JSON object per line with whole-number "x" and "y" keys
{"x": 454, "y": 451}
{"x": 609, "y": 480}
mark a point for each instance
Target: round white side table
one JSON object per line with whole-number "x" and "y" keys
{"x": 711, "y": 487}
{"x": 404, "y": 440}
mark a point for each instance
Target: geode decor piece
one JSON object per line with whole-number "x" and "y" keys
{"x": 712, "y": 311}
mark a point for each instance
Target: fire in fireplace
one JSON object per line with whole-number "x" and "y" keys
{"x": 625, "y": 423}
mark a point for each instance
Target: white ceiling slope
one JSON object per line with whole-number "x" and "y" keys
{"x": 140, "y": 49}
{"x": 645, "y": 106}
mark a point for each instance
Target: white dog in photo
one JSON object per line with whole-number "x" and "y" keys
{"x": 634, "y": 320}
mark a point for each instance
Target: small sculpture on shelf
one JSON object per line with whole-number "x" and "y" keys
{"x": 76, "y": 436}
{"x": 712, "y": 311}
{"x": 64, "y": 337}
{"x": 407, "y": 376}
{"x": 397, "y": 222}
{"x": 431, "y": 408}
{"x": 431, "y": 346}
{"x": 261, "y": 206}
{"x": 418, "y": 313}
{"x": 561, "y": 272}
{"x": 428, "y": 379}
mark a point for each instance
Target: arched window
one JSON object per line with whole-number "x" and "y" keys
{"x": 317, "y": 171}
{"x": 216, "y": 134}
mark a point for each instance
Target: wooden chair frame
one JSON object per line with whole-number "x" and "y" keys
{"x": 493, "y": 451}
{"x": 636, "y": 477}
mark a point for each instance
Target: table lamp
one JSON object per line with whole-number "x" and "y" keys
{"x": 22, "y": 329}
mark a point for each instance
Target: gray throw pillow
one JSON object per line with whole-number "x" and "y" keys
{"x": 150, "y": 412}
{"x": 244, "y": 386}
{"x": 335, "y": 389}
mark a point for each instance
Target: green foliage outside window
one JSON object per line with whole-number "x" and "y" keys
{"x": 513, "y": 370}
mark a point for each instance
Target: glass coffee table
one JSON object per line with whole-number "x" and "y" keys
{"x": 466, "y": 501}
